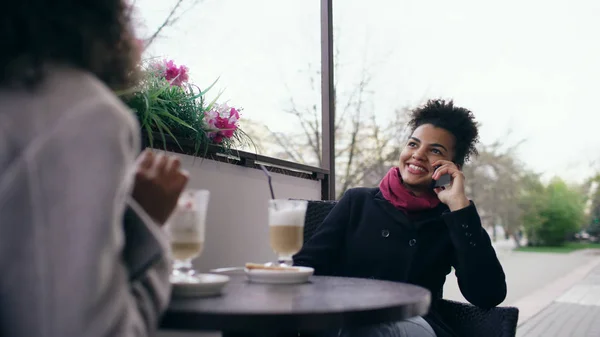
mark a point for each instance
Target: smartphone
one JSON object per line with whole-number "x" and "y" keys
{"x": 442, "y": 181}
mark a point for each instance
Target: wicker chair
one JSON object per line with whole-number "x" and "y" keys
{"x": 465, "y": 319}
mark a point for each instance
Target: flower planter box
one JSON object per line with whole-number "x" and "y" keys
{"x": 236, "y": 230}
{"x": 166, "y": 105}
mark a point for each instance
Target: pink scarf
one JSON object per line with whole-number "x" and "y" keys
{"x": 396, "y": 193}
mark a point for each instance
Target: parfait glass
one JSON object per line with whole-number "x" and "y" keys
{"x": 286, "y": 228}
{"x": 186, "y": 232}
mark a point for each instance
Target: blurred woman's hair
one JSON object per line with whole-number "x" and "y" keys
{"x": 92, "y": 35}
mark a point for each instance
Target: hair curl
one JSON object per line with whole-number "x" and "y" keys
{"x": 460, "y": 122}
{"x": 93, "y": 35}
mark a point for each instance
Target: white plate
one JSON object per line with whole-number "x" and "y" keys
{"x": 200, "y": 285}
{"x": 279, "y": 276}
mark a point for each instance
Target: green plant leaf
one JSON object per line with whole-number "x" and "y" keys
{"x": 210, "y": 105}
{"x": 150, "y": 136}
{"x": 176, "y": 119}
{"x": 202, "y": 93}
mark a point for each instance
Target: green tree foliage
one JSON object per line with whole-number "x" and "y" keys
{"x": 593, "y": 221}
{"x": 551, "y": 214}
{"x": 594, "y": 226}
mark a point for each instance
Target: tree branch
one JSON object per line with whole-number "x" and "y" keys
{"x": 170, "y": 20}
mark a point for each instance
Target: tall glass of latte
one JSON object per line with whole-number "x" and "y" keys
{"x": 186, "y": 230}
{"x": 286, "y": 227}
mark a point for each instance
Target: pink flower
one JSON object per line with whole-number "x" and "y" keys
{"x": 174, "y": 74}
{"x": 223, "y": 120}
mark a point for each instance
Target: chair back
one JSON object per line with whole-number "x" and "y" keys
{"x": 468, "y": 320}
{"x": 316, "y": 212}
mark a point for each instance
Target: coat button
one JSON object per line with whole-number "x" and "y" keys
{"x": 465, "y": 225}
{"x": 472, "y": 244}
{"x": 412, "y": 242}
{"x": 385, "y": 233}
{"x": 467, "y": 234}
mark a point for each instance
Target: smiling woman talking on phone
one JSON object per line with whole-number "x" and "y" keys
{"x": 407, "y": 230}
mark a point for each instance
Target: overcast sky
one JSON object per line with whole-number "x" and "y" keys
{"x": 532, "y": 67}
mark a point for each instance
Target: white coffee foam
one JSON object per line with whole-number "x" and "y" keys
{"x": 186, "y": 226}
{"x": 287, "y": 217}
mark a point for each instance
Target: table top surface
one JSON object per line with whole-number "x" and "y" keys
{"x": 323, "y": 303}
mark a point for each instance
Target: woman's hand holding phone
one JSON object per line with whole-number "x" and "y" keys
{"x": 452, "y": 194}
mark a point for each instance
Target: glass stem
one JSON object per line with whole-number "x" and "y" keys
{"x": 285, "y": 260}
{"x": 183, "y": 266}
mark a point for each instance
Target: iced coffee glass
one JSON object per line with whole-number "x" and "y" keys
{"x": 286, "y": 228}
{"x": 186, "y": 230}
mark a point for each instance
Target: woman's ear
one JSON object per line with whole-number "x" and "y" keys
{"x": 459, "y": 167}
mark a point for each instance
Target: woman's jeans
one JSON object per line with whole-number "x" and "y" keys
{"x": 412, "y": 327}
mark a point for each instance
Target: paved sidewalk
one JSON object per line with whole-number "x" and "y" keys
{"x": 575, "y": 313}
{"x": 528, "y": 273}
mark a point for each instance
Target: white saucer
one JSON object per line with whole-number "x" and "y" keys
{"x": 199, "y": 285}
{"x": 279, "y": 276}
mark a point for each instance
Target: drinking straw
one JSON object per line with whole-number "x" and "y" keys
{"x": 269, "y": 180}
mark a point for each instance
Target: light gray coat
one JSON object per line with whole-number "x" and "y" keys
{"x": 67, "y": 153}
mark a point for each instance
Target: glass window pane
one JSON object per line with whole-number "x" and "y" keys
{"x": 528, "y": 70}
{"x": 266, "y": 55}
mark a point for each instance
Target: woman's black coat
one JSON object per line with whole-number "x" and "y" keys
{"x": 366, "y": 236}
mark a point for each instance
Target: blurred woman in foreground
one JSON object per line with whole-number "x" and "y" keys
{"x": 68, "y": 171}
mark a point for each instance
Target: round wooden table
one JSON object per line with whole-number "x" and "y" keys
{"x": 322, "y": 304}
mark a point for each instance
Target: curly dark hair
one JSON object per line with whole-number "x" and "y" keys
{"x": 458, "y": 121}
{"x": 93, "y": 35}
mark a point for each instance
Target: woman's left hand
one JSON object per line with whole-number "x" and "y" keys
{"x": 452, "y": 195}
